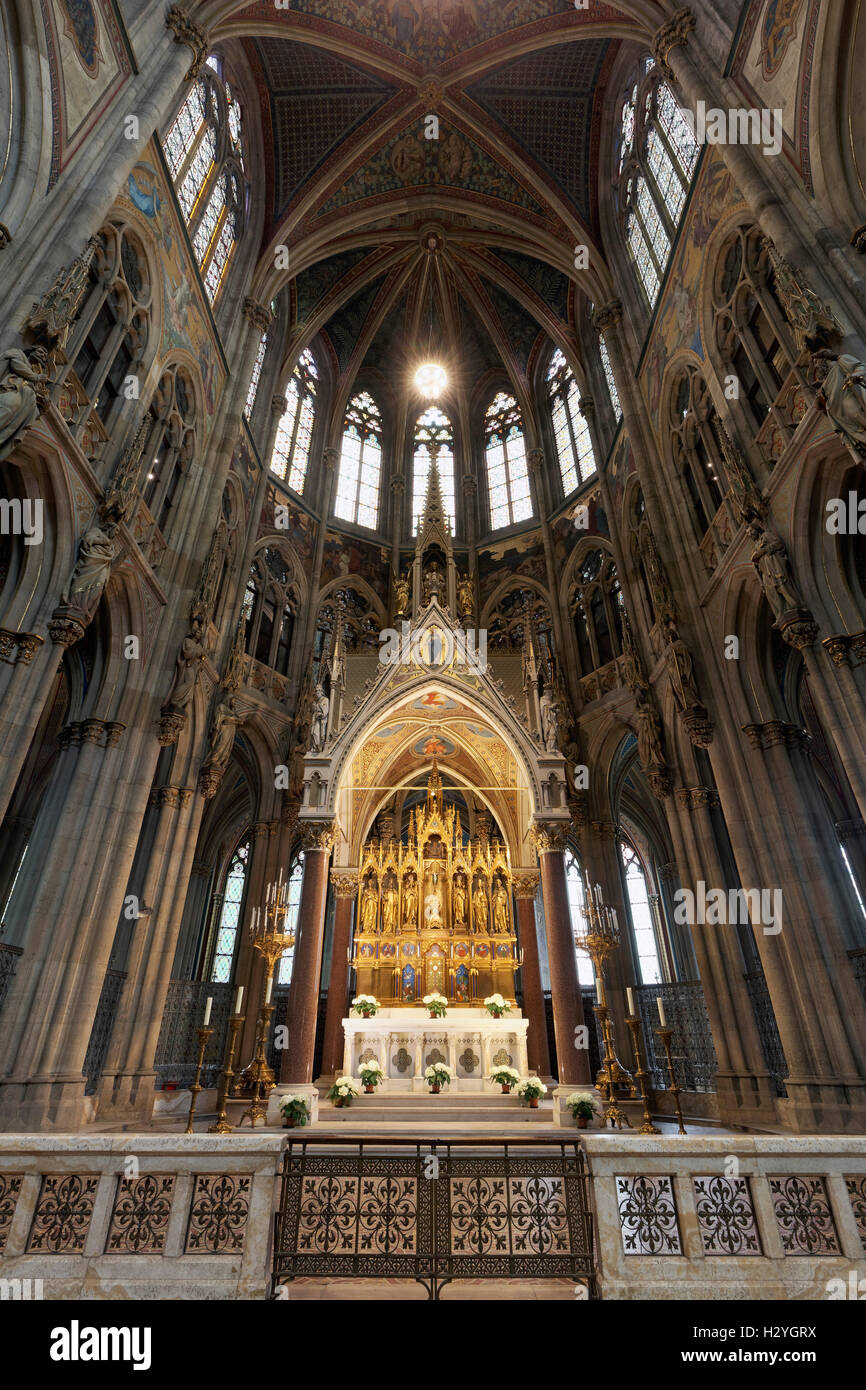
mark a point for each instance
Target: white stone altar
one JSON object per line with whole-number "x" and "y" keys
{"x": 405, "y": 1041}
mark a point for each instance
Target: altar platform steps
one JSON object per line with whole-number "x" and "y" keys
{"x": 404, "y": 1107}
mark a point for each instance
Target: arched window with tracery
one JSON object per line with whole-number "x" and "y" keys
{"x": 295, "y": 884}
{"x": 171, "y": 444}
{"x": 752, "y": 335}
{"x": 360, "y": 472}
{"x": 505, "y": 456}
{"x": 640, "y": 911}
{"x": 433, "y": 428}
{"x": 291, "y": 453}
{"x": 570, "y": 428}
{"x": 204, "y": 148}
{"x": 576, "y": 904}
{"x": 110, "y": 336}
{"x": 269, "y": 610}
{"x": 656, "y": 157}
{"x": 230, "y": 914}
{"x": 695, "y": 446}
{"x": 597, "y": 606}
{"x": 253, "y": 389}
{"x": 609, "y": 377}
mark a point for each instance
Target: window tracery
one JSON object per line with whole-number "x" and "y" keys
{"x": 505, "y": 456}
{"x": 230, "y": 914}
{"x": 359, "y": 478}
{"x": 270, "y": 606}
{"x": 570, "y": 428}
{"x": 170, "y": 446}
{"x": 433, "y": 427}
{"x": 597, "y": 605}
{"x": 291, "y": 454}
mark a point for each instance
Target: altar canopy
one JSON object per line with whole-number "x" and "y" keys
{"x": 435, "y": 913}
{"x": 404, "y": 1041}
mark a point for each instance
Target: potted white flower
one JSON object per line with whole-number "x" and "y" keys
{"x": 295, "y": 1110}
{"x": 531, "y": 1091}
{"x": 584, "y": 1107}
{"x": 371, "y": 1075}
{"x": 365, "y": 1006}
{"x": 506, "y": 1077}
{"x": 343, "y": 1090}
{"x": 496, "y": 1006}
{"x": 436, "y": 1003}
{"x": 437, "y": 1076}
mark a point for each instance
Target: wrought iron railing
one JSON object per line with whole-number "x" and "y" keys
{"x": 768, "y": 1029}
{"x": 434, "y": 1212}
{"x": 177, "y": 1048}
{"x": 692, "y": 1047}
{"x": 100, "y": 1033}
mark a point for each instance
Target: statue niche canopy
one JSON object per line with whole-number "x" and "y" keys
{"x": 435, "y": 913}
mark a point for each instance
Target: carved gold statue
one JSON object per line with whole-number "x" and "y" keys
{"x": 501, "y": 923}
{"x": 369, "y": 909}
{"x": 458, "y": 902}
{"x": 410, "y": 902}
{"x": 479, "y": 908}
{"x": 389, "y": 909}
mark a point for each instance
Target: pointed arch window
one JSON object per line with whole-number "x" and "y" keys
{"x": 433, "y": 427}
{"x": 204, "y": 151}
{"x": 609, "y": 377}
{"x": 657, "y": 155}
{"x": 256, "y": 377}
{"x": 230, "y": 915}
{"x": 640, "y": 912}
{"x": 270, "y": 607}
{"x": 597, "y": 605}
{"x": 295, "y": 431}
{"x": 296, "y": 883}
{"x": 570, "y": 428}
{"x": 576, "y": 903}
{"x": 505, "y": 456}
{"x": 360, "y": 473}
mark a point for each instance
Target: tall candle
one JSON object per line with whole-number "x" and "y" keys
{"x": 239, "y": 999}
{"x": 630, "y": 997}
{"x": 662, "y": 1018}
{"x": 207, "y": 1009}
{"x": 268, "y": 990}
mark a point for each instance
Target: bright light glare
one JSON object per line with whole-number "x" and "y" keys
{"x": 431, "y": 380}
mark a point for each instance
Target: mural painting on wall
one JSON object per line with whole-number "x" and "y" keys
{"x": 773, "y": 67}
{"x": 185, "y": 323}
{"x": 342, "y": 557}
{"x": 300, "y": 529}
{"x": 566, "y": 534}
{"x": 676, "y": 324}
{"x": 88, "y": 62}
{"x": 522, "y": 555}
{"x": 778, "y": 32}
{"x": 246, "y": 470}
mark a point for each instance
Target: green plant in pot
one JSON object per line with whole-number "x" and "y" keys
{"x": 584, "y": 1107}
{"x": 496, "y": 1006}
{"x": 371, "y": 1075}
{"x": 530, "y": 1091}
{"x": 437, "y": 1076}
{"x": 295, "y": 1110}
{"x": 436, "y": 1003}
{"x": 343, "y": 1090}
{"x": 365, "y": 1006}
{"x": 506, "y": 1077}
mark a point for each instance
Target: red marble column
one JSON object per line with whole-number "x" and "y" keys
{"x": 297, "y": 1063}
{"x": 573, "y": 1063}
{"x": 525, "y": 886}
{"x": 345, "y": 882}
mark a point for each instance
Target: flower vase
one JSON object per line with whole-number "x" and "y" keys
{"x": 432, "y": 1015}
{"x": 582, "y": 1121}
{"x": 435, "y": 1089}
{"x": 339, "y": 1100}
{"x": 369, "y": 1090}
{"x": 365, "y": 1013}
{"x": 533, "y": 1104}
{"x": 506, "y": 1090}
{"x": 288, "y": 1122}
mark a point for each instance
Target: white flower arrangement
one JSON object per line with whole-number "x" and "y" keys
{"x": 436, "y": 1003}
{"x": 531, "y": 1089}
{"x": 496, "y": 1006}
{"x": 505, "y": 1076}
{"x": 365, "y": 1004}
{"x": 439, "y": 1074}
{"x": 583, "y": 1104}
{"x": 295, "y": 1108}
{"x": 371, "y": 1072}
{"x": 344, "y": 1088}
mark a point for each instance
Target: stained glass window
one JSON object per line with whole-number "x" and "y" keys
{"x": 570, "y": 429}
{"x": 296, "y": 881}
{"x": 505, "y": 454}
{"x": 256, "y": 376}
{"x": 195, "y": 177}
{"x": 643, "y": 926}
{"x": 576, "y": 903}
{"x": 360, "y": 463}
{"x": 292, "y": 445}
{"x": 230, "y": 915}
{"x": 220, "y": 257}
{"x": 208, "y": 224}
{"x": 609, "y": 376}
{"x": 433, "y": 427}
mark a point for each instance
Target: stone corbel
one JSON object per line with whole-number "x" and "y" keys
{"x": 186, "y": 31}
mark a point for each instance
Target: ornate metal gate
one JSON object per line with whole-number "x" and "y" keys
{"x": 434, "y": 1212}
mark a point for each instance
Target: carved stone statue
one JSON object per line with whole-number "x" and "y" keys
{"x": 770, "y": 559}
{"x": 680, "y": 668}
{"x": 96, "y": 555}
{"x": 465, "y": 597}
{"x": 434, "y": 584}
{"x": 187, "y": 668}
{"x": 458, "y": 900}
{"x": 369, "y": 910}
{"x": 549, "y": 720}
{"x": 23, "y": 393}
{"x": 649, "y": 736}
{"x": 843, "y": 397}
{"x": 480, "y": 909}
{"x": 319, "y": 731}
{"x": 401, "y": 595}
{"x": 501, "y": 923}
{"x": 225, "y": 723}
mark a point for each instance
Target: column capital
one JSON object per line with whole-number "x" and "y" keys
{"x": 694, "y": 798}
{"x": 608, "y": 316}
{"x": 525, "y": 883}
{"x": 186, "y": 31}
{"x": 548, "y": 837}
{"x": 605, "y": 829}
{"x": 674, "y": 33}
{"x": 319, "y": 835}
{"x": 470, "y": 484}
{"x": 259, "y": 315}
{"x": 279, "y": 405}
{"x": 345, "y": 882}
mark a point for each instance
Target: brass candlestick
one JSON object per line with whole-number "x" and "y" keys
{"x": 222, "y": 1125}
{"x": 666, "y": 1034}
{"x": 268, "y": 936}
{"x": 260, "y": 1076}
{"x": 600, "y": 938}
{"x": 606, "y": 1081}
{"x": 204, "y": 1035}
{"x": 642, "y": 1076}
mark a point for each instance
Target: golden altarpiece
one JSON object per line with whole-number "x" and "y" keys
{"x": 435, "y": 913}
